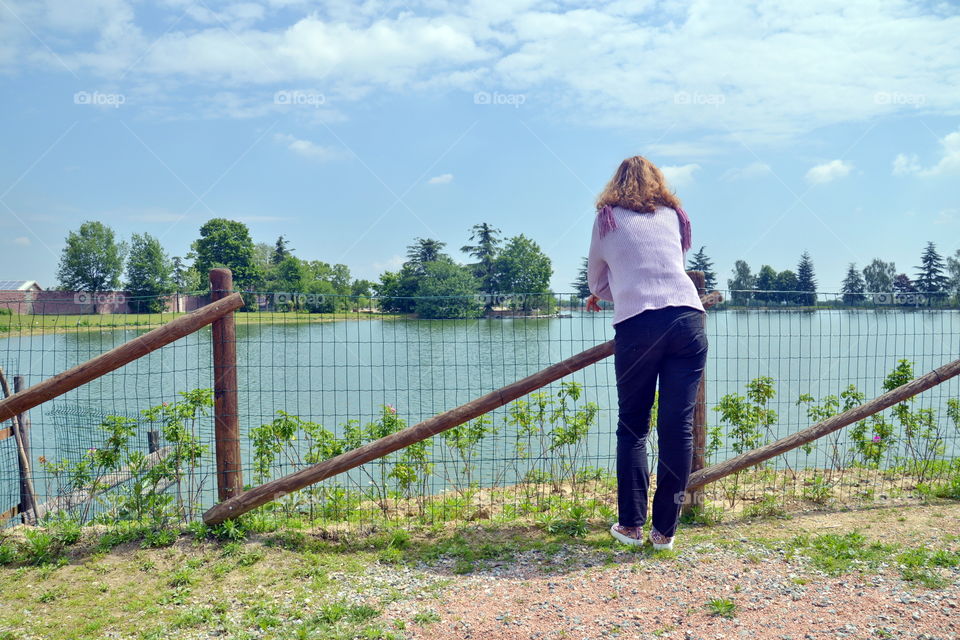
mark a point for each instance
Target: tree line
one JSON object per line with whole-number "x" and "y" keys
{"x": 513, "y": 272}
{"x": 938, "y": 279}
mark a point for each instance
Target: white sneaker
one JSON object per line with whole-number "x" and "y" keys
{"x": 660, "y": 541}
{"x": 624, "y": 538}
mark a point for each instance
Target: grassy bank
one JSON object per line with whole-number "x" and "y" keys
{"x": 22, "y": 324}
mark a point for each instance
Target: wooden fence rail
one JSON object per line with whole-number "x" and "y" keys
{"x": 824, "y": 427}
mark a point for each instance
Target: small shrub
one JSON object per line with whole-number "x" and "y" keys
{"x": 182, "y": 577}
{"x": 767, "y": 507}
{"x": 722, "y": 607}
{"x": 41, "y": 548}
{"x": 706, "y": 514}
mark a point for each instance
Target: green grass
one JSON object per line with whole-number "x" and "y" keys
{"x": 95, "y": 322}
{"x": 292, "y": 581}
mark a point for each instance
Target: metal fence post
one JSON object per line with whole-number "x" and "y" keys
{"x": 225, "y": 409}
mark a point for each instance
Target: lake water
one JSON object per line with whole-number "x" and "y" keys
{"x": 335, "y": 371}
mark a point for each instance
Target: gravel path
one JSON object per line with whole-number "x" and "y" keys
{"x": 579, "y": 594}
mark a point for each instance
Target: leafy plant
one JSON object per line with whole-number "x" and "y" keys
{"x": 749, "y": 420}
{"x": 830, "y": 406}
{"x": 550, "y": 432}
{"x": 923, "y": 437}
{"x": 464, "y": 441}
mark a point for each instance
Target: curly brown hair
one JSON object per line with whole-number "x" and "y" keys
{"x": 638, "y": 185}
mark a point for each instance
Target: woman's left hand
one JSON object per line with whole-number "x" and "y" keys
{"x": 593, "y": 303}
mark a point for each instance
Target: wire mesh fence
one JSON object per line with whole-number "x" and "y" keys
{"x": 319, "y": 375}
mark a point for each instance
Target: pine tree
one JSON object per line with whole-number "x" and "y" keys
{"x": 581, "y": 286}
{"x": 700, "y": 262}
{"x": 422, "y": 251}
{"x": 485, "y": 251}
{"x": 930, "y": 279}
{"x": 806, "y": 281}
{"x": 280, "y": 251}
{"x": 853, "y": 286}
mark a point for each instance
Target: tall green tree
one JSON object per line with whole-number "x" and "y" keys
{"x": 524, "y": 268}
{"x": 396, "y": 289}
{"x": 92, "y": 259}
{"x": 422, "y": 251}
{"x": 853, "y": 286}
{"x": 149, "y": 274}
{"x": 487, "y": 242}
{"x": 953, "y": 271}
{"x": 741, "y": 284}
{"x": 581, "y": 286}
{"x": 787, "y": 286}
{"x": 806, "y": 281}
{"x": 930, "y": 278}
{"x": 700, "y": 262}
{"x": 766, "y": 285}
{"x": 281, "y": 250}
{"x": 227, "y": 243}
{"x": 287, "y": 280}
{"x": 878, "y": 276}
{"x": 447, "y": 290}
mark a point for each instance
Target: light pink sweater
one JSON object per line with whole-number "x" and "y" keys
{"x": 639, "y": 264}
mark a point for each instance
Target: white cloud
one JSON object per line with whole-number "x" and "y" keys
{"x": 828, "y": 172}
{"x": 444, "y": 178}
{"x": 949, "y": 162}
{"x": 306, "y": 148}
{"x": 719, "y": 66}
{"x": 946, "y": 216}
{"x": 680, "y": 176}
{"x": 905, "y": 164}
{"x": 752, "y": 170}
{"x": 22, "y": 241}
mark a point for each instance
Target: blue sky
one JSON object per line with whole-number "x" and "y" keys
{"x": 352, "y": 128}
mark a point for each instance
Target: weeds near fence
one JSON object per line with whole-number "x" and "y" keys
{"x": 143, "y": 494}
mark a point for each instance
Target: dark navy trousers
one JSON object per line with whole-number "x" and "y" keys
{"x": 668, "y": 344}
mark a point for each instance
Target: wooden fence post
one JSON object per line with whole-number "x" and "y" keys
{"x": 22, "y": 423}
{"x": 695, "y": 498}
{"x": 226, "y": 414}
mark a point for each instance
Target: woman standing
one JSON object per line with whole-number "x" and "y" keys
{"x": 640, "y": 239}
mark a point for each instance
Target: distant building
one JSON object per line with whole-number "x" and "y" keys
{"x": 19, "y": 295}
{"x": 20, "y": 285}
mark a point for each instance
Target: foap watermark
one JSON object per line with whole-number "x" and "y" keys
{"x": 299, "y": 98}
{"x": 500, "y": 299}
{"x": 900, "y": 298}
{"x": 511, "y": 99}
{"x": 98, "y": 99}
{"x": 99, "y": 298}
{"x": 686, "y": 97}
{"x": 912, "y": 99}
{"x": 298, "y": 299}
